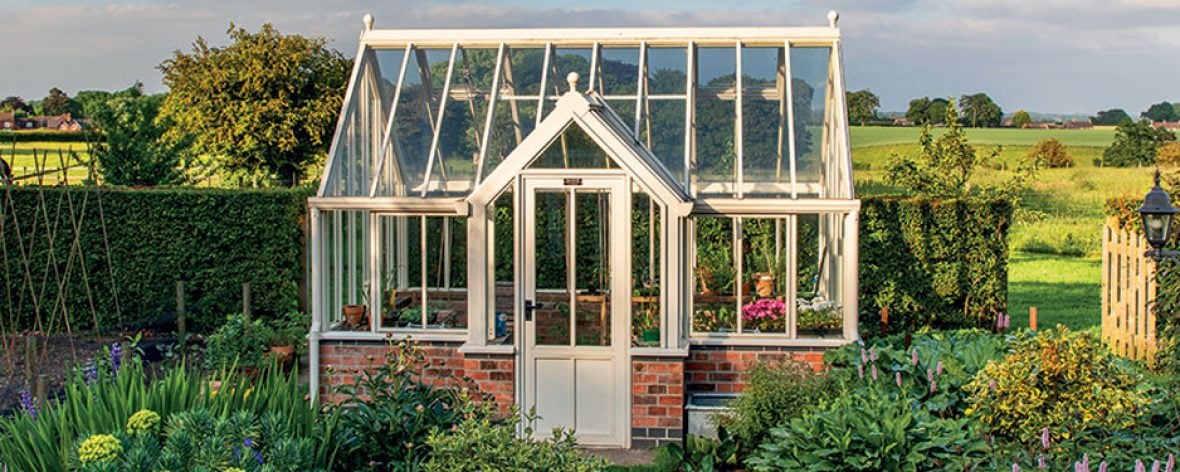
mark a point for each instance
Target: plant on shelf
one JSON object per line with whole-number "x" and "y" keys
{"x": 767, "y": 315}
{"x": 767, "y": 268}
{"x": 288, "y": 332}
{"x": 644, "y": 322}
{"x": 714, "y": 318}
{"x": 238, "y": 342}
{"x": 354, "y": 315}
{"x": 818, "y": 314}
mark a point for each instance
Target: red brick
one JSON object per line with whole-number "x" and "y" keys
{"x": 671, "y": 400}
{"x": 645, "y": 422}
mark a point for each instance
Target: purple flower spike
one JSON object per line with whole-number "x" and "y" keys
{"x": 1086, "y": 462}
{"x": 873, "y": 353}
{"x": 1015, "y": 468}
{"x": 874, "y": 372}
{"x": 860, "y": 371}
{"x": 999, "y": 321}
{"x": 929, "y": 375}
{"x": 1139, "y": 467}
{"x": 258, "y": 457}
{"x": 914, "y": 357}
{"x": 1102, "y": 467}
{"x": 1041, "y": 462}
{"x": 1171, "y": 463}
{"x": 90, "y": 372}
{"x": 248, "y": 442}
{"x": 1155, "y": 466}
{"x": 933, "y": 386}
{"x": 116, "y": 357}
{"x": 1045, "y": 437}
{"x": 26, "y": 402}
{"x": 897, "y": 375}
{"x": 938, "y": 370}
{"x": 1007, "y": 321}
{"x": 864, "y": 356}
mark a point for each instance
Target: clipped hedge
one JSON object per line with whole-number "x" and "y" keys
{"x": 213, "y": 240}
{"x": 49, "y": 136}
{"x": 939, "y": 264}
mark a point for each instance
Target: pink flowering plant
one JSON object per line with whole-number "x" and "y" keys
{"x": 767, "y": 315}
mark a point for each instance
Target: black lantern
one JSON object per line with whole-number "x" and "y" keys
{"x": 1157, "y": 212}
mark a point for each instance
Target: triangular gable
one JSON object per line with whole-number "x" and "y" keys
{"x": 607, "y": 130}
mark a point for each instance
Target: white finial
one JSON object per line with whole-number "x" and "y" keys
{"x": 368, "y": 19}
{"x": 572, "y": 79}
{"x": 833, "y": 17}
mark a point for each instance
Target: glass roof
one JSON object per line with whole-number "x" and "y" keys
{"x": 726, "y": 118}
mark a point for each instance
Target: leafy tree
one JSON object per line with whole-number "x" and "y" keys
{"x": 980, "y": 110}
{"x": 862, "y": 106}
{"x": 1162, "y": 111}
{"x": 136, "y": 151}
{"x": 945, "y": 166}
{"x": 1114, "y": 116}
{"x": 1021, "y": 118}
{"x": 262, "y": 107}
{"x": 91, "y": 102}
{"x": 14, "y": 103}
{"x": 1135, "y": 144}
{"x": 926, "y": 111}
{"x": 1168, "y": 154}
{"x": 1049, "y": 152}
{"x": 58, "y": 103}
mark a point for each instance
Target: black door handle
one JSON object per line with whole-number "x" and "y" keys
{"x": 529, "y": 307}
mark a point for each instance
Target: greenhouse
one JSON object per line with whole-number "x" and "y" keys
{"x": 579, "y": 219}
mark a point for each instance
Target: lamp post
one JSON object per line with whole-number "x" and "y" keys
{"x": 1157, "y": 213}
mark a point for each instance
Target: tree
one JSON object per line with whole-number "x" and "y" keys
{"x": 14, "y": 103}
{"x": 945, "y": 166}
{"x": 136, "y": 151}
{"x": 262, "y": 107}
{"x": 980, "y": 110}
{"x": 862, "y": 106}
{"x": 92, "y": 101}
{"x": 1049, "y": 152}
{"x": 1135, "y": 144}
{"x": 1021, "y": 118}
{"x": 58, "y": 103}
{"x": 1162, "y": 111}
{"x": 926, "y": 111}
{"x": 1168, "y": 154}
{"x": 1112, "y": 117}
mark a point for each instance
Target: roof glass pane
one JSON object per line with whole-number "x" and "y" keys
{"x": 523, "y": 72}
{"x": 667, "y": 71}
{"x": 574, "y": 149}
{"x": 809, "y": 78}
{"x": 359, "y": 136}
{"x": 663, "y": 134}
{"x": 715, "y": 116}
{"x": 764, "y": 144}
{"x": 463, "y": 122}
{"x": 417, "y": 116}
{"x": 619, "y": 71}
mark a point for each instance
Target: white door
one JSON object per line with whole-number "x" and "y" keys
{"x": 576, "y": 304}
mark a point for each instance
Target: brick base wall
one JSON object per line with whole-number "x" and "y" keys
{"x": 722, "y": 369}
{"x": 445, "y": 366}
{"x": 657, "y": 401}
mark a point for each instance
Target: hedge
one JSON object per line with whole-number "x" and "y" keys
{"x": 937, "y": 264}
{"x": 49, "y": 136}
{"x": 213, "y": 240}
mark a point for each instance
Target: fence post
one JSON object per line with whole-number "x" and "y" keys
{"x": 30, "y": 357}
{"x": 884, "y": 321}
{"x": 41, "y": 391}
{"x": 181, "y": 329}
{"x": 1032, "y": 318}
{"x": 246, "y": 301}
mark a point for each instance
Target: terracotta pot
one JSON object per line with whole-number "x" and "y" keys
{"x": 284, "y": 355}
{"x": 354, "y": 314}
{"x": 764, "y": 285}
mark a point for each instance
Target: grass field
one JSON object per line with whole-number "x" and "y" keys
{"x": 1056, "y": 236}
{"x": 24, "y": 163}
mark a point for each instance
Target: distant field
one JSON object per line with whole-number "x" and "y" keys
{"x": 24, "y": 163}
{"x": 866, "y": 136}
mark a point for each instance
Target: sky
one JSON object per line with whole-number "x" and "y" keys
{"x": 1050, "y": 56}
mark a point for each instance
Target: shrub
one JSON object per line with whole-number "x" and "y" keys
{"x": 238, "y": 343}
{"x": 938, "y": 264}
{"x": 874, "y": 430}
{"x": 775, "y": 394}
{"x": 482, "y": 443}
{"x": 1060, "y": 380}
{"x": 1168, "y": 154}
{"x": 1051, "y": 153}
{"x": 386, "y": 417}
{"x": 1135, "y": 144}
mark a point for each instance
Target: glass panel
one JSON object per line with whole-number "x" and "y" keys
{"x": 574, "y": 149}
{"x": 818, "y": 311}
{"x": 663, "y": 134}
{"x": 764, "y": 308}
{"x": 646, "y": 263}
{"x": 567, "y": 60}
{"x": 619, "y": 74}
{"x": 463, "y": 122}
{"x": 592, "y": 263}
{"x": 764, "y": 144}
{"x": 515, "y": 119}
{"x": 626, "y": 111}
{"x": 552, "y": 268}
{"x": 714, "y": 305}
{"x": 344, "y": 279}
{"x": 522, "y": 72}
{"x": 503, "y": 266}
{"x": 667, "y": 71}
{"x": 358, "y": 140}
{"x": 809, "y": 83}
{"x": 417, "y": 111}
{"x": 715, "y": 117}
{"x": 401, "y": 271}
{"x": 445, "y": 259}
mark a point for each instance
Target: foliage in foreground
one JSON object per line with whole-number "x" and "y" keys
{"x": 775, "y": 394}
{"x": 481, "y": 443}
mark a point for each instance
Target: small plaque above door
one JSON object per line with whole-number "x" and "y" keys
{"x": 572, "y": 181}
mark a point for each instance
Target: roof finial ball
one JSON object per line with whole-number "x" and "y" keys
{"x": 368, "y": 20}
{"x": 572, "y": 79}
{"x": 833, "y": 17}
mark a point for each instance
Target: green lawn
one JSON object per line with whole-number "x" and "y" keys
{"x": 1056, "y": 237}
{"x": 24, "y": 163}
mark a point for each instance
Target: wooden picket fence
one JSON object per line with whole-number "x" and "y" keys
{"x": 1128, "y": 292}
